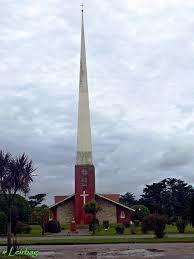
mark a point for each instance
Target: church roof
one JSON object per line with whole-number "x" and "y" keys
{"x": 117, "y": 203}
{"x": 60, "y": 198}
{"x": 103, "y": 196}
{"x": 62, "y": 201}
{"x": 112, "y": 196}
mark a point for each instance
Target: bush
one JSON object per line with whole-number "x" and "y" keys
{"x": 3, "y": 223}
{"x": 181, "y": 225}
{"x": 93, "y": 225}
{"x": 120, "y": 228}
{"x": 136, "y": 223}
{"x": 154, "y": 222}
{"x": 192, "y": 210}
{"x": 106, "y": 224}
{"x": 160, "y": 226}
{"x": 22, "y": 228}
{"x": 53, "y": 226}
{"x": 126, "y": 224}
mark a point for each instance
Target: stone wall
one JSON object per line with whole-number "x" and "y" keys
{"x": 108, "y": 211}
{"x": 65, "y": 211}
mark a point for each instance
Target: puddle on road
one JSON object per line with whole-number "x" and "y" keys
{"x": 118, "y": 254}
{"x": 51, "y": 253}
{"x": 108, "y": 254}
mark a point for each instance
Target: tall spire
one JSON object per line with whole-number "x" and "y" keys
{"x": 84, "y": 144}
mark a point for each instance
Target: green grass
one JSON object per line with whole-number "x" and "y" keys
{"x": 67, "y": 226}
{"x": 112, "y": 231}
{"x": 35, "y": 232}
{"x": 170, "y": 229}
{"x": 103, "y": 240}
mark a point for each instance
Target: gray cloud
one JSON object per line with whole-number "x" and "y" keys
{"x": 140, "y": 73}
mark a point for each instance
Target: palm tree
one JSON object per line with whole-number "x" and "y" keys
{"x": 92, "y": 208}
{"x": 15, "y": 176}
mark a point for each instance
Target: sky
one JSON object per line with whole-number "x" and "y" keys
{"x": 140, "y": 59}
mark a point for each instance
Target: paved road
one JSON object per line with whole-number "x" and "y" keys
{"x": 117, "y": 251}
{"x": 47, "y": 237}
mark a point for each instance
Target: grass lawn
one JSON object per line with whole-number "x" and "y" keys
{"x": 35, "y": 232}
{"x": 170, "y": 229}
{"x": 104, "y": 240}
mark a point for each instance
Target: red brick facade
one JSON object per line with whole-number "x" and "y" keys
{"x": 68, "y": 207}
{"x": 84, "y": 191}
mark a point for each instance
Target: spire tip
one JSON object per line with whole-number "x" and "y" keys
{"x": 82, "y": 5}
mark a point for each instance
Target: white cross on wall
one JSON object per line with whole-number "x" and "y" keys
{"x": 84, "y": 195}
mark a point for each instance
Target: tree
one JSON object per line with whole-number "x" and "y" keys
{"x": 128, "y": 199}
{"x": 20, "y": 204}
{"x": 170, "y": 197}
{"x": 3, "y": 223}
{"x": 140, "y": 212}
{"x": 92, "y": 208}
{"x": 41, "y": 215}
{"x": 36, "y": 199}
{"x": 15, "y": 175}
{"x": 192, "y": 211}
{"x": 152, "y": 197}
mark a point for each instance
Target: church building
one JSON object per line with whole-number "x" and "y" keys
{"x": 67, "y": 207}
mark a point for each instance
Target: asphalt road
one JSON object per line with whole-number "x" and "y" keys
{"x": 116, "y": 251}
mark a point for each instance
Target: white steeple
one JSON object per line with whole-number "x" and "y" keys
{"x": 84, "y": 144}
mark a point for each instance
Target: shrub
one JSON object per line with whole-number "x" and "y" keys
{"x": 120, "y": 228}
{"x": 53, "y": 226}
{"x": 106, "y": 224}
{"x": 22, "y": 228}
{"x": 154, "y": 222}
{"x": 192, "y": 210}
{"x": 3, "y": 223}
{"x": 136, "y": 223}
{"x": 181, "y": 225}
{"x": 93, "y": 225}
{"x": 147, "y": 223}
{"x": 140, "y": 212}
{"x": 126, "y": 224}
{"x": 160, "y": 226}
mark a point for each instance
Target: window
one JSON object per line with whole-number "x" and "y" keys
{"x": 84, "y": 181}
{"x": 84, "y": 172}
{"x": 122, "y": 215}
{"x": 84, "y": 177}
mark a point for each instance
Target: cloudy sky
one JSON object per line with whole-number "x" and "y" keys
{"x": 140, "y": 57}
